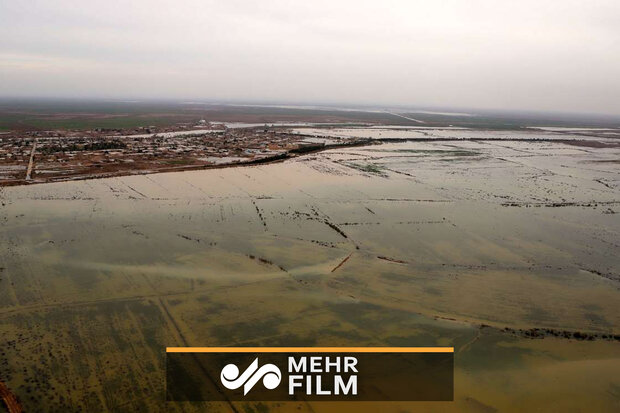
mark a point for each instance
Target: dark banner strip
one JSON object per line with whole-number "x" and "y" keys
{"x": 310, "y": 374}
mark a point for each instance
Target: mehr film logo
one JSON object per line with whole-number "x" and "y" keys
{"x": 309, "y": 373}
{"x": 316, "y": 365}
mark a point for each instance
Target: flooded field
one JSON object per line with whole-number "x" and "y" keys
{"x": 506, "y": 250}
{"x": 422, "y": 132}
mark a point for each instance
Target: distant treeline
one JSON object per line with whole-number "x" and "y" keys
{"x": 74, "y": 147}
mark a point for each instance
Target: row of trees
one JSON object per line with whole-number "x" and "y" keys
{"x": 74, "y": 147}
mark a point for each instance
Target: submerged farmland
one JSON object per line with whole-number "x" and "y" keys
{"x": 505, "y": 249}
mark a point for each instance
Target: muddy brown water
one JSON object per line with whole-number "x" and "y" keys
{"x": 464, "y": 244}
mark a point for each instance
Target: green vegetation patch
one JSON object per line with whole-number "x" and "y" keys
{"x": 95, "y": 146}
{"x": 367, "y": 167}
{"x": 431, "y": 152}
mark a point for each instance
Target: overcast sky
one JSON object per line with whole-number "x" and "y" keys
{"x": 559, "y": 55}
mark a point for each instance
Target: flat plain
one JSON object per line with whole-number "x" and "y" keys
{"x": 507, "y": 249}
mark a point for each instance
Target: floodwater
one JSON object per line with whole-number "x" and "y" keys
{"x": 465, "y": 243}
{"x": 458, "y": 133}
